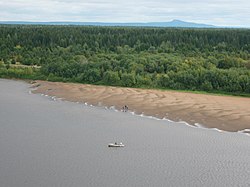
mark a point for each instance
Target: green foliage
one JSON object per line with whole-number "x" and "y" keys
{"x": 128, "y": 79}
{"x": 111, "y": 78}
{"x": 213, "y": 60}
{"x": 20, "y": 72}
{"x": 207, "y": 86}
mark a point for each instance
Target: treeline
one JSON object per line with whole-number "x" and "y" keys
{"x": 214, "y": 60}
{"x": 20, "y": 72}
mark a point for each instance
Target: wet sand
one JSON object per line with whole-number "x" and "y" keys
{"x": 222, "y": 112}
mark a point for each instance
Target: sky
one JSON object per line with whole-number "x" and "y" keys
{"x": 215, "y": 12}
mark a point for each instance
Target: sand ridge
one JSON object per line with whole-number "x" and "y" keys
{"x": 223, "y": 112}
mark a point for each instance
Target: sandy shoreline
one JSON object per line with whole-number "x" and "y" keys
{"x": 222, "y": 112}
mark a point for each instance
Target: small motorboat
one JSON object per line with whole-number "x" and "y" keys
{"x": 116, "y": 144}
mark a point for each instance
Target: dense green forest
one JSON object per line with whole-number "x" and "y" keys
{"x": 213, "y": 60}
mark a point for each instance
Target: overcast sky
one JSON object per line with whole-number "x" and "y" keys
{"x": 216, "y": 12}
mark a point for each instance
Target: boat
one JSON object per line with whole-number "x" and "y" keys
{"x": 116, "y": 144}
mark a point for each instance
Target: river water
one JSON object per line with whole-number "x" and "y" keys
{"x": 44, "y": 142}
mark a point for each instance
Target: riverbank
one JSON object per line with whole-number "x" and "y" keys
{"x": 222, "y": 112}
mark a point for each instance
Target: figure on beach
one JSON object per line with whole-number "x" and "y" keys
{"x": 125, "y": 108}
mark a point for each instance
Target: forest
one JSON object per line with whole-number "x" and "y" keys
{"x": 210, "y": 60}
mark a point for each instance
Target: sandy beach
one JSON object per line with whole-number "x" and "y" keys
{"x": 222, "y": 112}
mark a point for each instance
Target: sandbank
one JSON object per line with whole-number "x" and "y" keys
{"x": 226, "y": 113}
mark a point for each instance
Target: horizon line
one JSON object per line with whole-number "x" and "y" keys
{"x": 101, "y": 22}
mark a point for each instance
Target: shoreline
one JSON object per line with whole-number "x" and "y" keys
{"x": 226, "y": 113}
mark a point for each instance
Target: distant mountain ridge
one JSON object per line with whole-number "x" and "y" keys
{"x": 173, "y": 23}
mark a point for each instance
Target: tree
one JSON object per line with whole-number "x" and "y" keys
{"x": 111, "y": 78}
{"x": 128, "y": 79}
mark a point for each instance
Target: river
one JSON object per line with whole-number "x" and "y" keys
{"x": 48, "y": 142}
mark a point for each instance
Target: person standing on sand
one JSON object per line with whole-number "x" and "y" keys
{"x": 126, "y": 108}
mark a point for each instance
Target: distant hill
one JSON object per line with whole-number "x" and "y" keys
{"x": 173, "y": 23}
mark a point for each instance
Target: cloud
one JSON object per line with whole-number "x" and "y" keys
{"x": 217, "y": 12}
